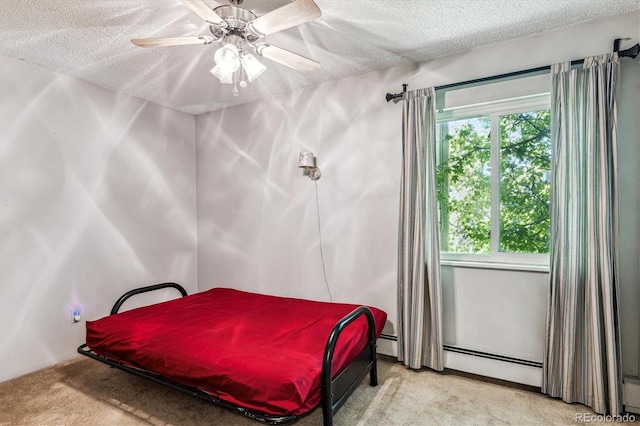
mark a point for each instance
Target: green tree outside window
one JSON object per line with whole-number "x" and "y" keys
{"x": 465, "y": 182}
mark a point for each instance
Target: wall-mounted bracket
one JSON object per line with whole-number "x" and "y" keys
{"x": 631, "y": 52}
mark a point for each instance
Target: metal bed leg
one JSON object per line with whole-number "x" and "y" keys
{"x": 327, "y": 415}
{"x": 336, "y": 390}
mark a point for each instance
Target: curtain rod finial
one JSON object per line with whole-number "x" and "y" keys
{"x": 398, "y": 96}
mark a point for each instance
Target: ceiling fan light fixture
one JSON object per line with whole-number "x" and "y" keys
{"x": 224, "y": 75}
{"x": 252, "y": 67}
{"x": 228, "y": 58}
{"x": 239, "y": 29}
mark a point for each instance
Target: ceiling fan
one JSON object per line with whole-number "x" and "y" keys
{"x": 238, "y": 30}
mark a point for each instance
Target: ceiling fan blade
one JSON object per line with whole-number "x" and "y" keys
{"x": 290, "y": 15}
{"x": 203, "y": 11}
{"x": 286, "y": 58}
{"x": 171, "y": 41}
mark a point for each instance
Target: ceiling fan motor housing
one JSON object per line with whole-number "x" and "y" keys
{"x": 237, "y": 20}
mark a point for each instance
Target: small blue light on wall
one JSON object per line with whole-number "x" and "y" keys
{"x": 76, "y": 314}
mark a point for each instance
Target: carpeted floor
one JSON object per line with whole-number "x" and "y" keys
{"x": 86, "y": 392}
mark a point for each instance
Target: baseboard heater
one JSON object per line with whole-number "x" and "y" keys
{"x": 496, "y": 357}
{"x": 479, "y": 354}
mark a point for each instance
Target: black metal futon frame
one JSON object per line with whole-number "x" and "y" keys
{"x": 335, "y": 391}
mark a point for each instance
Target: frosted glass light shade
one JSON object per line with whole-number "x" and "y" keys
{"x": 252, "y": 66}
{"x": 227, "y": 62}
{"x": 225, "y": 76}
{"x": 228, "y": 58}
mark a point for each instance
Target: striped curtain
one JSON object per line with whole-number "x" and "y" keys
{"x": 419, "y": 289}
{"x": 582, "y": 352}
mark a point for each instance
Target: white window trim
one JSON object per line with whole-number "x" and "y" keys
{"x": 529, "y": 267}
{"x": 497, "y": 259}
{"x": 540, "y": 100}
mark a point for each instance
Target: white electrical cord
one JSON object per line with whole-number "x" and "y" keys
{"x": 320, "y": 238}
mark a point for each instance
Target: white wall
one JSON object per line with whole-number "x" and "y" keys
{"x": 97, "y": 196}
{"x": 257, "y": 214}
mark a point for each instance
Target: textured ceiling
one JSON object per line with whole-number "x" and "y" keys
{"x": 90, "y": 40}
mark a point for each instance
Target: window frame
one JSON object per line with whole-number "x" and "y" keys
{"x": 495, "y": 109}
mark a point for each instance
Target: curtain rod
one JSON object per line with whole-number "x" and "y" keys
{"x": 629, "y": 53}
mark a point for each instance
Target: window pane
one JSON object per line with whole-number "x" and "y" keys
{"x": 464, "y": 185}
{"x": 525, "y": 152}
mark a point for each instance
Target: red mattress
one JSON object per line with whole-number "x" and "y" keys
{"x": 260, "y": 352}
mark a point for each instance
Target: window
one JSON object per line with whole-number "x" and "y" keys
{"x": 493, "y": 173}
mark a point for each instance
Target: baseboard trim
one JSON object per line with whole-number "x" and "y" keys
{"x": 492, "y": 380}
{"x": 472, "y": 376}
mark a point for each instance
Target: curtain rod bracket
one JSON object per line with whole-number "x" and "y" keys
{"x": 398, "y": 96}
{"x": 631, "y": 52}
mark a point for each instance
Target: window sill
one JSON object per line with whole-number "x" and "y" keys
{"x": 495, "y": 265}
